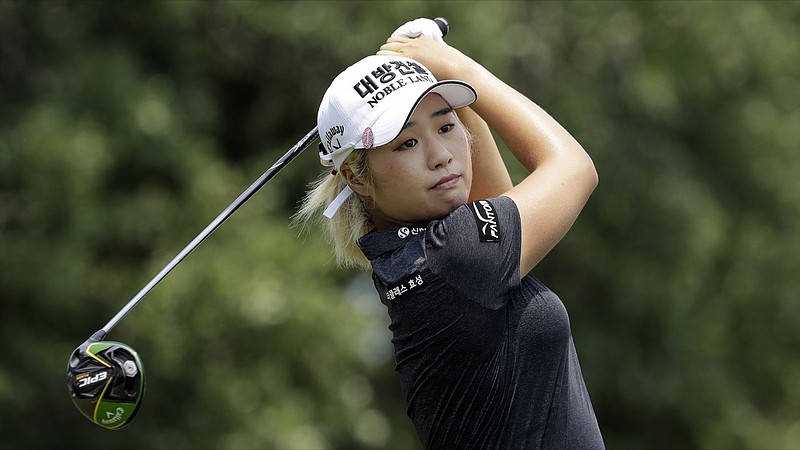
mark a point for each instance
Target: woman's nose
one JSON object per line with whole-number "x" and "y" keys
{"x": 440, "y": 156}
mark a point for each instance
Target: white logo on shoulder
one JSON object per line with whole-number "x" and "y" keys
{"x": 405, "y": 232}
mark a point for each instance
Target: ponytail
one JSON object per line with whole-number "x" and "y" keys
{"x": 351, "y": 221}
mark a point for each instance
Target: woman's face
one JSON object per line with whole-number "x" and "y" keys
{"x": 424, "y": 174}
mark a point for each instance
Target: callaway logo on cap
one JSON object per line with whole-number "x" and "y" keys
{"x": 368, "y": 104}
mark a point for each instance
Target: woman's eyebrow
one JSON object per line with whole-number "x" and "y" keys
{"x": 442, "y": 112}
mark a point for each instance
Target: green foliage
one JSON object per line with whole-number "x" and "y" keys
{"x": 126, "y": 127}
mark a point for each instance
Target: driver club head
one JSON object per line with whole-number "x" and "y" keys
{"x": 106, "y": 382}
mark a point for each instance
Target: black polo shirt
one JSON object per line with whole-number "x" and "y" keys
{"x": 485, "y": 359}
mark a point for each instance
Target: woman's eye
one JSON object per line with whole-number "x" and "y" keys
{"x": 447, "y": 128}
{"x": 407, "y": 144}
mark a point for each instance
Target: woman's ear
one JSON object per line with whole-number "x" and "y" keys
{"x": 352, "y": 180}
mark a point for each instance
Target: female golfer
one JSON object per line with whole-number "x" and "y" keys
{"x": 419, "y": 193}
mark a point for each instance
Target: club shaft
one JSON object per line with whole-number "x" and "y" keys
{"x": 224, "y": 215}
{"x": 261, "y": 181}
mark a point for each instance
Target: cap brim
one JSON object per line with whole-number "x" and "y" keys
{"x": 388, "y": 126}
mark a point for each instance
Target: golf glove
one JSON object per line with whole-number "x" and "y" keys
{"x": 419, "y": 27}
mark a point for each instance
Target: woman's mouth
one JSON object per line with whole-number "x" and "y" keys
{"x": 446, "y": 182}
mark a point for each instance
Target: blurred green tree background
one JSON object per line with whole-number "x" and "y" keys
{"x": 127, "y": 126}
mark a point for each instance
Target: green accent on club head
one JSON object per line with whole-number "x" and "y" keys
{"x": 97, "y": 347}
{"x": 114, "y": 415}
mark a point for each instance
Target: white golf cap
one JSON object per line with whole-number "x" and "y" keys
{"x": 369, "y": 103}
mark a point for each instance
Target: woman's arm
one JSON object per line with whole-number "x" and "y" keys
{"x": 562, "y": 175}
{"x": 489, "y": 173}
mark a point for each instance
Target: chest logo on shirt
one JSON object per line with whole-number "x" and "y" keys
{"x": 405, "y": 232}
{"x": 413, "y": 282}
{"x": 486, "y": 220}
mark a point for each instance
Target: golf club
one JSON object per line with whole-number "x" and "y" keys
{"x": 106, "y": 378}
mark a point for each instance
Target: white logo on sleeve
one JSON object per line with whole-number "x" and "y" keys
{"x": 486, "y": 220}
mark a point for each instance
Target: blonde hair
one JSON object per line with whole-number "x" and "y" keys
{"x": 351, "y": 221}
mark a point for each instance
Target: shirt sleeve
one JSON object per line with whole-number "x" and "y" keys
{"x": 477, "y": 249}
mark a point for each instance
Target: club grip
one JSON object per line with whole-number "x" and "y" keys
{"x": 444, "y": 25}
